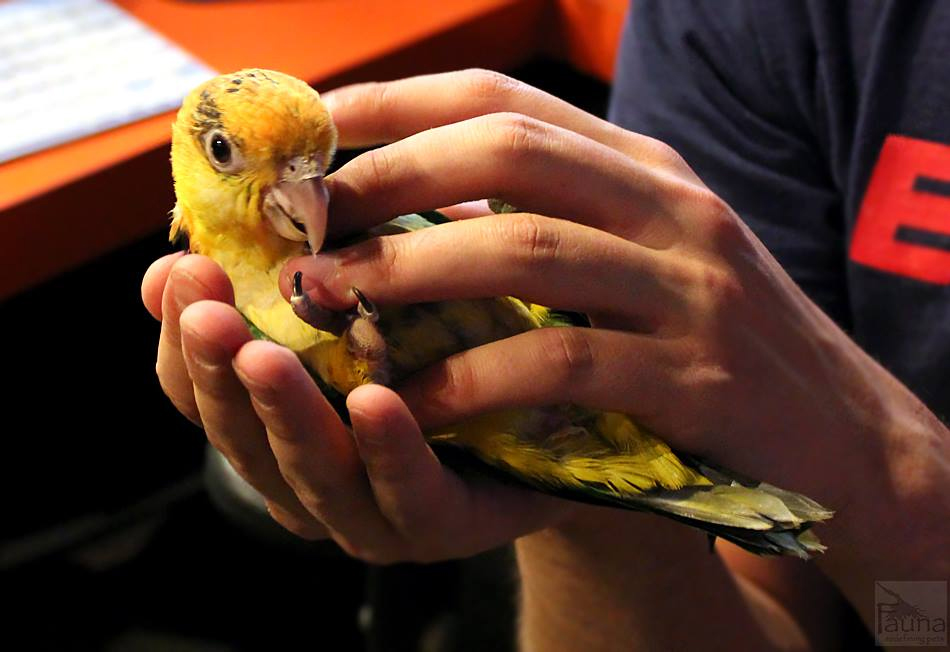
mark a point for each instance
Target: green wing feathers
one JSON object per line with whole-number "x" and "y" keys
{"x": 605, "y": 458}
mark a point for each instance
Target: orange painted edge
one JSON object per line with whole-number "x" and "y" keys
{"x": 587, "y": 34}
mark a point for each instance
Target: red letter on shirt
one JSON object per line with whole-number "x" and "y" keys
{"x": 903, "y": 226}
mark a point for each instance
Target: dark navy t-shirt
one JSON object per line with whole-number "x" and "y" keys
{"x": 826, "y": 126}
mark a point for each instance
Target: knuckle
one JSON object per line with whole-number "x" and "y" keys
{"x": 570, "y": 356}
{"x": 703, "y": 378}
{"x": 375, "y": 259}
{"x": 535, "y": 239}
{"x": 721, "y": 287}
{"x": 661, "y": 153}
{"x": 380, "y": 96}
{"x": 705, "y": 385}
{"x": 721, "y": 227}
{"x": 516, "y": 136}
{"x": 488, "y": 84}
{"x": 379, "y": 167}
{"x": 388, "y": 257}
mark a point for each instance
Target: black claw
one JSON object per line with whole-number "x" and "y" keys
{"x": 298, "y": 285}
{"x": 366, "y": 308}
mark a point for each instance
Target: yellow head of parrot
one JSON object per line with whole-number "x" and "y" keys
{"x": 249, "y": 151}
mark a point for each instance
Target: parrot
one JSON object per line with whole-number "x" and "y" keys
{"x": 249, "y": 153}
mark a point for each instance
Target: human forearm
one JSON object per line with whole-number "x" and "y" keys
{"x": 614, "y": 580}
{"x": 893, "y": 515}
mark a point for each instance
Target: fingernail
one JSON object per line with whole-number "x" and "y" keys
{"x": 322, "y": 274}
{"x": 323, "y": 268}
{"x": 371, "y": 436}
{"x": 188, "y": 289}
{"x": 207, "y": 372}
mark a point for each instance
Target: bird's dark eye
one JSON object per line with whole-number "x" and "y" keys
{"x": 220, "y": 149}
{"x": 222, "y": 153}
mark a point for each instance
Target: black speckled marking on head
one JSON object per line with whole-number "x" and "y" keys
{"x": 207, "y": 107}
{"x": 237, "y": 81}
{"x": 207, "y": 116}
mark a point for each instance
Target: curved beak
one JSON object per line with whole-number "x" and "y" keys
{"x": 299, "y": 202}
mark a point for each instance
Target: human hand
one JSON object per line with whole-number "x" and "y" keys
{"x": 690, "y": 311}
{"x": 378, "y": 491}
{"x": 698, "y": 332}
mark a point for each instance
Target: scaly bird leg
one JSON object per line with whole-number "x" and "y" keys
{"x": 317, "y": 316}
{"x": 365, "y": 341}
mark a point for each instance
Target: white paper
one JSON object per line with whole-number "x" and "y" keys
{"x": 71, "y": 68}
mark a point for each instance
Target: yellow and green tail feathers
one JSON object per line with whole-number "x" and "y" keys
{"x": 579, "y": 461}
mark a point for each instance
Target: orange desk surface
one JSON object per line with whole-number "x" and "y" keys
{"x": 66, "y": 205}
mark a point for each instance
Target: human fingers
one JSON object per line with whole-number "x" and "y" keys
{"x": 314, "y": 450}
{"x": 533, "y": 165}
{"x": 211, "y": 334}
{"x": 438, "y": 514}
{"x": 384, "y": 112}
{"x": 153, "y": 283}
{"x": 541, "y": 260}
{"x": 191, "y": 278}
{"x": 584, "y": 366}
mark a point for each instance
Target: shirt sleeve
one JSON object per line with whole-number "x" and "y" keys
{"x": 731, "y": 86}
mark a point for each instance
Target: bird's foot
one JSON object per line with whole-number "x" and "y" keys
{"x": 365, "y": 341}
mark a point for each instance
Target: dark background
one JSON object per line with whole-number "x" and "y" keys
{"x": 108, "y": 539}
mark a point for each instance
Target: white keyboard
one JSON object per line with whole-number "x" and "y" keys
{"x": 71, "y": 68}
